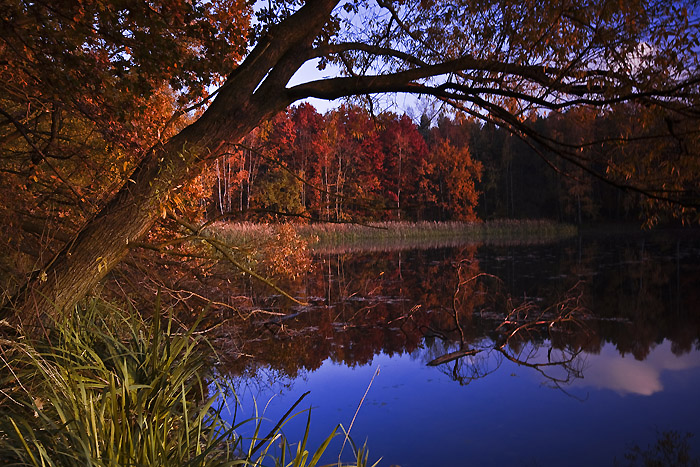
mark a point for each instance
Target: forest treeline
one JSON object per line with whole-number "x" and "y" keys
{"x": 351, "y": 165}
{"x": 346, "y": 165}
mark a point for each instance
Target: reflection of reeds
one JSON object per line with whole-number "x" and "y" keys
{"x": 391, "y": 236}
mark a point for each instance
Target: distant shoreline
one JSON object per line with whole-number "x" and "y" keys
{"x": 322, "y": 237}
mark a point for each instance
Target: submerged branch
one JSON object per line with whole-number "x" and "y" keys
{"x": 520, "y": 323}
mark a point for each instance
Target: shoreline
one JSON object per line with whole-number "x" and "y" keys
{"x": 324, "y": 237}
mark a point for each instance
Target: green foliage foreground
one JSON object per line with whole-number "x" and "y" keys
{"x": 110, "y": 389}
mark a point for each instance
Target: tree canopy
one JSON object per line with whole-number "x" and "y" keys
{"x": 107, "y": 108}
{"x": 345, "y": 166}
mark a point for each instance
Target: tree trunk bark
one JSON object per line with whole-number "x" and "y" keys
{"x": 105, "y": 240}
{"x": 254, "y": 92}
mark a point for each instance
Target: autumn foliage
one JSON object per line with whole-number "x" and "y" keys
{"x": 86, "y": 88}
{"x": 347, "y": 165}
{"x": 350, "y": 165}
{"x": 108, "y": 110}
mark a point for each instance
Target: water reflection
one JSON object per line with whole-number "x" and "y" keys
{"x": 623, "y": 349}
{"x": 608, "y": 370}
{"x": 636, "y": 292}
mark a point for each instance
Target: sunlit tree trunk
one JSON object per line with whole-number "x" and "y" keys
{"x": 398, "y": 184}
{"x": 326, "y": 189}
{"x": 251, "y": 94}
{"x": 240, "y": 183}
{"x": 219, "y": 192}
{"x": 227, "y": 182}
{"x": 249, "y": 180}
{"x": 339, "y": 187}
{"x": 303, "y": 172}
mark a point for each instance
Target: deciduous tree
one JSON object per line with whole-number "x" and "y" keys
{"x": 496, "y": 60}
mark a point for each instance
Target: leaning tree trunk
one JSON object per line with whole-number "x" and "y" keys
{"x": 252, "y": 93}
{"x": 104, "y": 242}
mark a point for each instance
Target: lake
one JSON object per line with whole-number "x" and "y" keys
{"x": 566, "y": 353}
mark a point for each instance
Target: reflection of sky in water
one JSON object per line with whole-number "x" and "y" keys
{"x": 626, "y": 375}
{"x": 415, "y": 415}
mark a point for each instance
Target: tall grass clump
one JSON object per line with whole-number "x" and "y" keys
{"x": 109, "y": 388}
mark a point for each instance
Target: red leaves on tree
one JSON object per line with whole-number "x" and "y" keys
{"x": 347, "y": 165}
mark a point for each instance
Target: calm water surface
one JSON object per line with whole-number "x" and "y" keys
{"x": 621, "y": 371}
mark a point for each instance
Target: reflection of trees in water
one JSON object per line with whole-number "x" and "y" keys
{"x": 526, "y": 334}
{"x": 647, "y": 293}
{"x": 364, "y": 304}
{"x": 671, "y": 449}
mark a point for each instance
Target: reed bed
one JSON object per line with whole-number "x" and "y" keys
{"x": 244, "y": 234}
{"x": 384, "y": 236}
{"x": 476, "y": 231}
